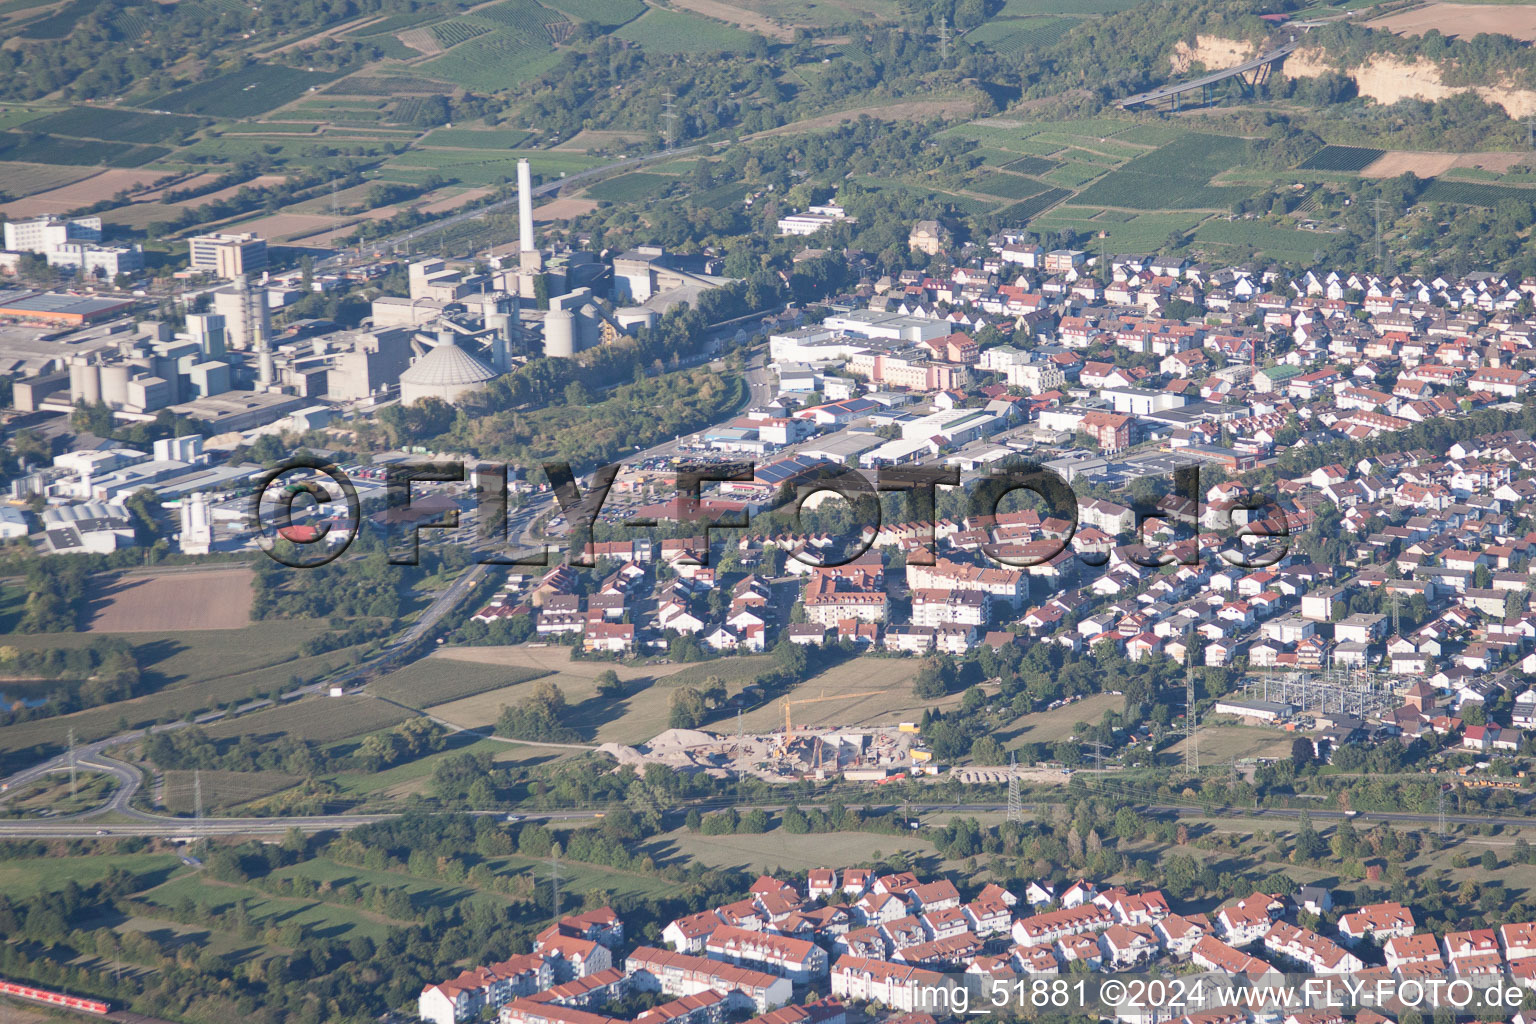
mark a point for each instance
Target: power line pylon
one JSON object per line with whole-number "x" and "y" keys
{"x": 1015, "y": 801}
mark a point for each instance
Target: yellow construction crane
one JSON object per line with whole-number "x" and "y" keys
{"x": 788, "y": 727}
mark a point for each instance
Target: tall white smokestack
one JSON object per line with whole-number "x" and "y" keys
{"x": 524, "y": 206}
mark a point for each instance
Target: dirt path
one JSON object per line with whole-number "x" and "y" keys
{"x": 908, "y": 110}
{"x": 749, "y": 20}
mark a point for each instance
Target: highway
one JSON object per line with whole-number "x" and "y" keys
{"x": 167, "y": 827}
{"x": 1169, "y": 91}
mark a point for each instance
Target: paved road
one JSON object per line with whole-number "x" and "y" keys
{"x": 164, "y": 826}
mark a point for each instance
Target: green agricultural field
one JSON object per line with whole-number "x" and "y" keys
{"x": 117, "y": 125}
{"x": 451, "y": 33}
{"x": 606, "y": 13}
{"x": 393, "y": 23}
{"x": 1007, "y": 186}
{"x": 492, "y": 62}
{"x": 222, "y": 790}
{"x": 673, "y": 32}
{"x": 1173, "y": 177}
{"x": 1025, "y": 8}
{"x": 1072, "y": 175}
{"x": 437, "y": 679}
{"x": 479, "y": 168}
{"x": 1012, "y": 36}
{"x": 471, "y": 138}
{"x": 56, "y": 149}
{"x": 1341, "y": 158}
{"x": 1143, "y": 233}
{"x": 1029, "y": 165}
{"x": 1253, "y": 236}
{"x": 386, "y": 85}
{"x": 1467, "y": 193}
{"x": 245, "y": 93}
{"x": 631, "y": 187}
{"x": 317, "y": 719}
{"x": 1018, "y": 213}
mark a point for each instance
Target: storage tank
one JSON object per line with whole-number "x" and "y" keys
{"x": 560, "y": 333}
{"x": 84, "y": 382}
{"x": 114, "y": 386}
{"x": 587, "y": 324}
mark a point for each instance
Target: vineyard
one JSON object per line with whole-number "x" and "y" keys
{"x": 525, "y": 18}
{"x": 630, "y": 187}
{"x": 1007, "y": 186}
{"x": 1471, "y": 193}
{"x": 606, "y": 13}
{"x": 1011, "y": 37}
{"x": 116, "y": 125}
{"x": 1341, "y": 158}
{"x": 451, "y": 33}
{"x": 1173, "y": 177}
{"x": 1030, "y": 165}
{"x": 244, "y": 93}
{"x": 1018, "y": 213}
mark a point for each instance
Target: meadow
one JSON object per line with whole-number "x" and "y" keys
{"x": 437, "y": 679}
{"x": 221, "y": 790}
{"x": 662, "y": 31}
{"x": 1057, "y": 723}
{"x": 1276, "y": 242}
{"x": 316, "y": 719}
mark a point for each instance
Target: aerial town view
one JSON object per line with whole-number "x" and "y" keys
{"x": 768, "y": 511}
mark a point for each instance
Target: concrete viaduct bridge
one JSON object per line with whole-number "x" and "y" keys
{"x": 1250, "y": 74}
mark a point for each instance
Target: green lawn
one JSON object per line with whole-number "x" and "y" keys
{"x": 780, "y": 849}
{"x": 22, "y": 878}
{"x": 324, "y": 919}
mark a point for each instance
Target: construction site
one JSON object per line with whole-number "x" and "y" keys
{"x": 857, "y": 753}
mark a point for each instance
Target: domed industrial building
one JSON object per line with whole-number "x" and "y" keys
{"x": 447, "y": 373}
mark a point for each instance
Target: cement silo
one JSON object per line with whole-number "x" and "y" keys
{"x": 560, "y": 334}
{"x": 114, "y": 386}
{"x": 587, "y": 322}
{"x": 84, "y": 381}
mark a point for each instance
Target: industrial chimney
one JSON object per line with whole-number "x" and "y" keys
{"x": 524, "y": 207}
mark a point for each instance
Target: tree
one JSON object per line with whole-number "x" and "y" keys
{"x": 608, "y": 684}
{"x": 1301, "y": 752}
